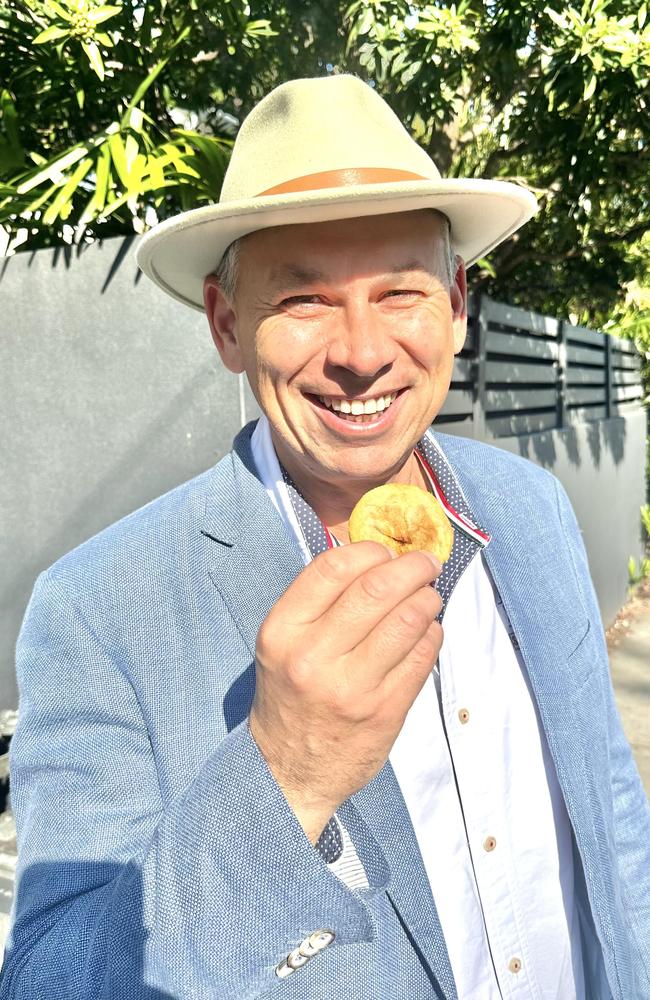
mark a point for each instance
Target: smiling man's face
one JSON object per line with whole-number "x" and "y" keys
{"x": 344, "y": 312}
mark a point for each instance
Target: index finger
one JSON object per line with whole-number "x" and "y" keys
{"x": 327, "y": 576}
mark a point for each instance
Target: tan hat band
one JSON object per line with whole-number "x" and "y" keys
{"x": 349, "y": 177}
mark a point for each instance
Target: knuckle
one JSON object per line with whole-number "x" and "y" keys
{"x": 298, "y": 672}
{"x": 413, "y": 618}
{"x": 332, "y": 565}
{"x": 375, "y": 587}
{"x": 427, "y": 649}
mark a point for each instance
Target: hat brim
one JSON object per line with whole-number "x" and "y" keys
{"x": 179, "y": 253}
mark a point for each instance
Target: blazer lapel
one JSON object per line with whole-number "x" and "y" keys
{"x": 253, "y": 558}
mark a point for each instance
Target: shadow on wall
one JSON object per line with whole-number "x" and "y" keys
{"x": 600, "y": 435}
{"x": 66, "y": 255}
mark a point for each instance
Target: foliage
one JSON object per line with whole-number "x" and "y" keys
{"x": 637, "y": 575}
{"x": 645, "y": 518}
{"x": 114, "y": 116}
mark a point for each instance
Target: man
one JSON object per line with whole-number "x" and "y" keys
{"x": 249, "y": 762}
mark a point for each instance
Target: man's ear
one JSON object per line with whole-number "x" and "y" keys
{"x": 458, "y": 298}
{"x": 223, "y": 320}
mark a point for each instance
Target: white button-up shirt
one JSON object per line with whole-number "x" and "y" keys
{"x": 480, "y": 786}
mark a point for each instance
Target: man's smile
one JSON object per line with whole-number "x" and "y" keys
{"x": 357, "y": 414}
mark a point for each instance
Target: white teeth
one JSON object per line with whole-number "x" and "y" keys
{"x": 358, "y": 406}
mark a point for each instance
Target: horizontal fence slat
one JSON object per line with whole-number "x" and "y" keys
{"x": 525, "y": 347}
{"x": 521, "y": 423}
{"x": 458, "y": 401}
{"x": 583, "y": 335}
{"x": 627, "y": 392}
{"x": 593, "y": 376}
{"x": 463, "y": 370}
{"x": 623, "y": 406}
{"x": 627, "y": 362}
{"x": 519, "y": 319}
{"x": 583, "y": 355}
{"x": 451, "y": 425}
{"x": 519, "y": 371}
{"x": 625, "y": 346}
{"x": 582, "y": 396}
{"x": 519, "y": 399}
{"x": 578, "y": 414}
{"x": 470, "y": 339}
{"x": 625, "y": 378}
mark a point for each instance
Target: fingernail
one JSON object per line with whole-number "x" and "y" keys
{"x": 436, "y": 562}
{"x": 392, "y": 553}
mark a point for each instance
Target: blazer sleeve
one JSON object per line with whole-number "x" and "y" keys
{"x": 118, "y": 897}
{"x": 631, "y": 810}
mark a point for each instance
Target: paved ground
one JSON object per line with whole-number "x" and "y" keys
{"x": 629, "y": 657}
{"x": 629, "y": 652}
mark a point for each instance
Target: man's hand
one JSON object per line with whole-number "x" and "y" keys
{"x": 340, "y": 659}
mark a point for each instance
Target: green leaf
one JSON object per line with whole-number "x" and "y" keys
{"x": 118, "y": 155}
{"x": 102, "y": 176}
{"x": 410, "y": 74}
{"x": 12, "y": 152}
{"x": 641, "y": 15}
{"x": 260, "y": 29}
{"x": 98, "y": 14}
{"x": 156, "y": 172}
{"x": 49, "y": 34}
{"x": 365, "y": 22}
{"x": 56, "y": 8}
{"x": 64, "y": 197}
{"x": 556, "y": 18}
{"x": 42, "y": 198}
{"x": 81, "y": 97}
{"x": 56, "y": 166}
{"x": 135, "y": 119}
{"x": 94, "y": 58}
{"x": 590, "y": 87}
{"x": 485, "y": 265}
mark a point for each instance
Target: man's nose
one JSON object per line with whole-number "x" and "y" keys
{"x": 361, "y": 342}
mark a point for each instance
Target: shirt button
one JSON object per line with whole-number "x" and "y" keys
{"x": 489, "y": 843}
{"x": 463, "y": 715}
{"x": 514, "y": 965}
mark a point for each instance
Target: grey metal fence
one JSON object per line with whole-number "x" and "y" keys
{"x": 520, "y": 372}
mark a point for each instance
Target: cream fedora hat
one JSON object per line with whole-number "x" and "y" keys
{"x": 316, "y": 150}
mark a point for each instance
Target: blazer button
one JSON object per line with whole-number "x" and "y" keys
{"x": 295, "y": 960}
{"x": 320, "y": 939}
{"x": 307, "y": 949}
{"x": 283, "y": 969}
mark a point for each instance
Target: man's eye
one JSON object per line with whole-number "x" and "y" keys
{"x": 395, "y": 292}
{"x": 297, "y": 300}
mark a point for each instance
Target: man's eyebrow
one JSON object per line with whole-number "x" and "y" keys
{"x": 412, "y": 264}
{"x": 298, "y": 275}
{"x": 295, "y": 274}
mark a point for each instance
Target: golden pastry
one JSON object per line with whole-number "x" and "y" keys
{"x": 404, "y": 518}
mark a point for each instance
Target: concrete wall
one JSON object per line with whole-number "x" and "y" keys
{"x": 111, "y": 393}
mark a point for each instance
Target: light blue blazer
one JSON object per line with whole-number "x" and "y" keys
{"x": 159, "y": 859}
